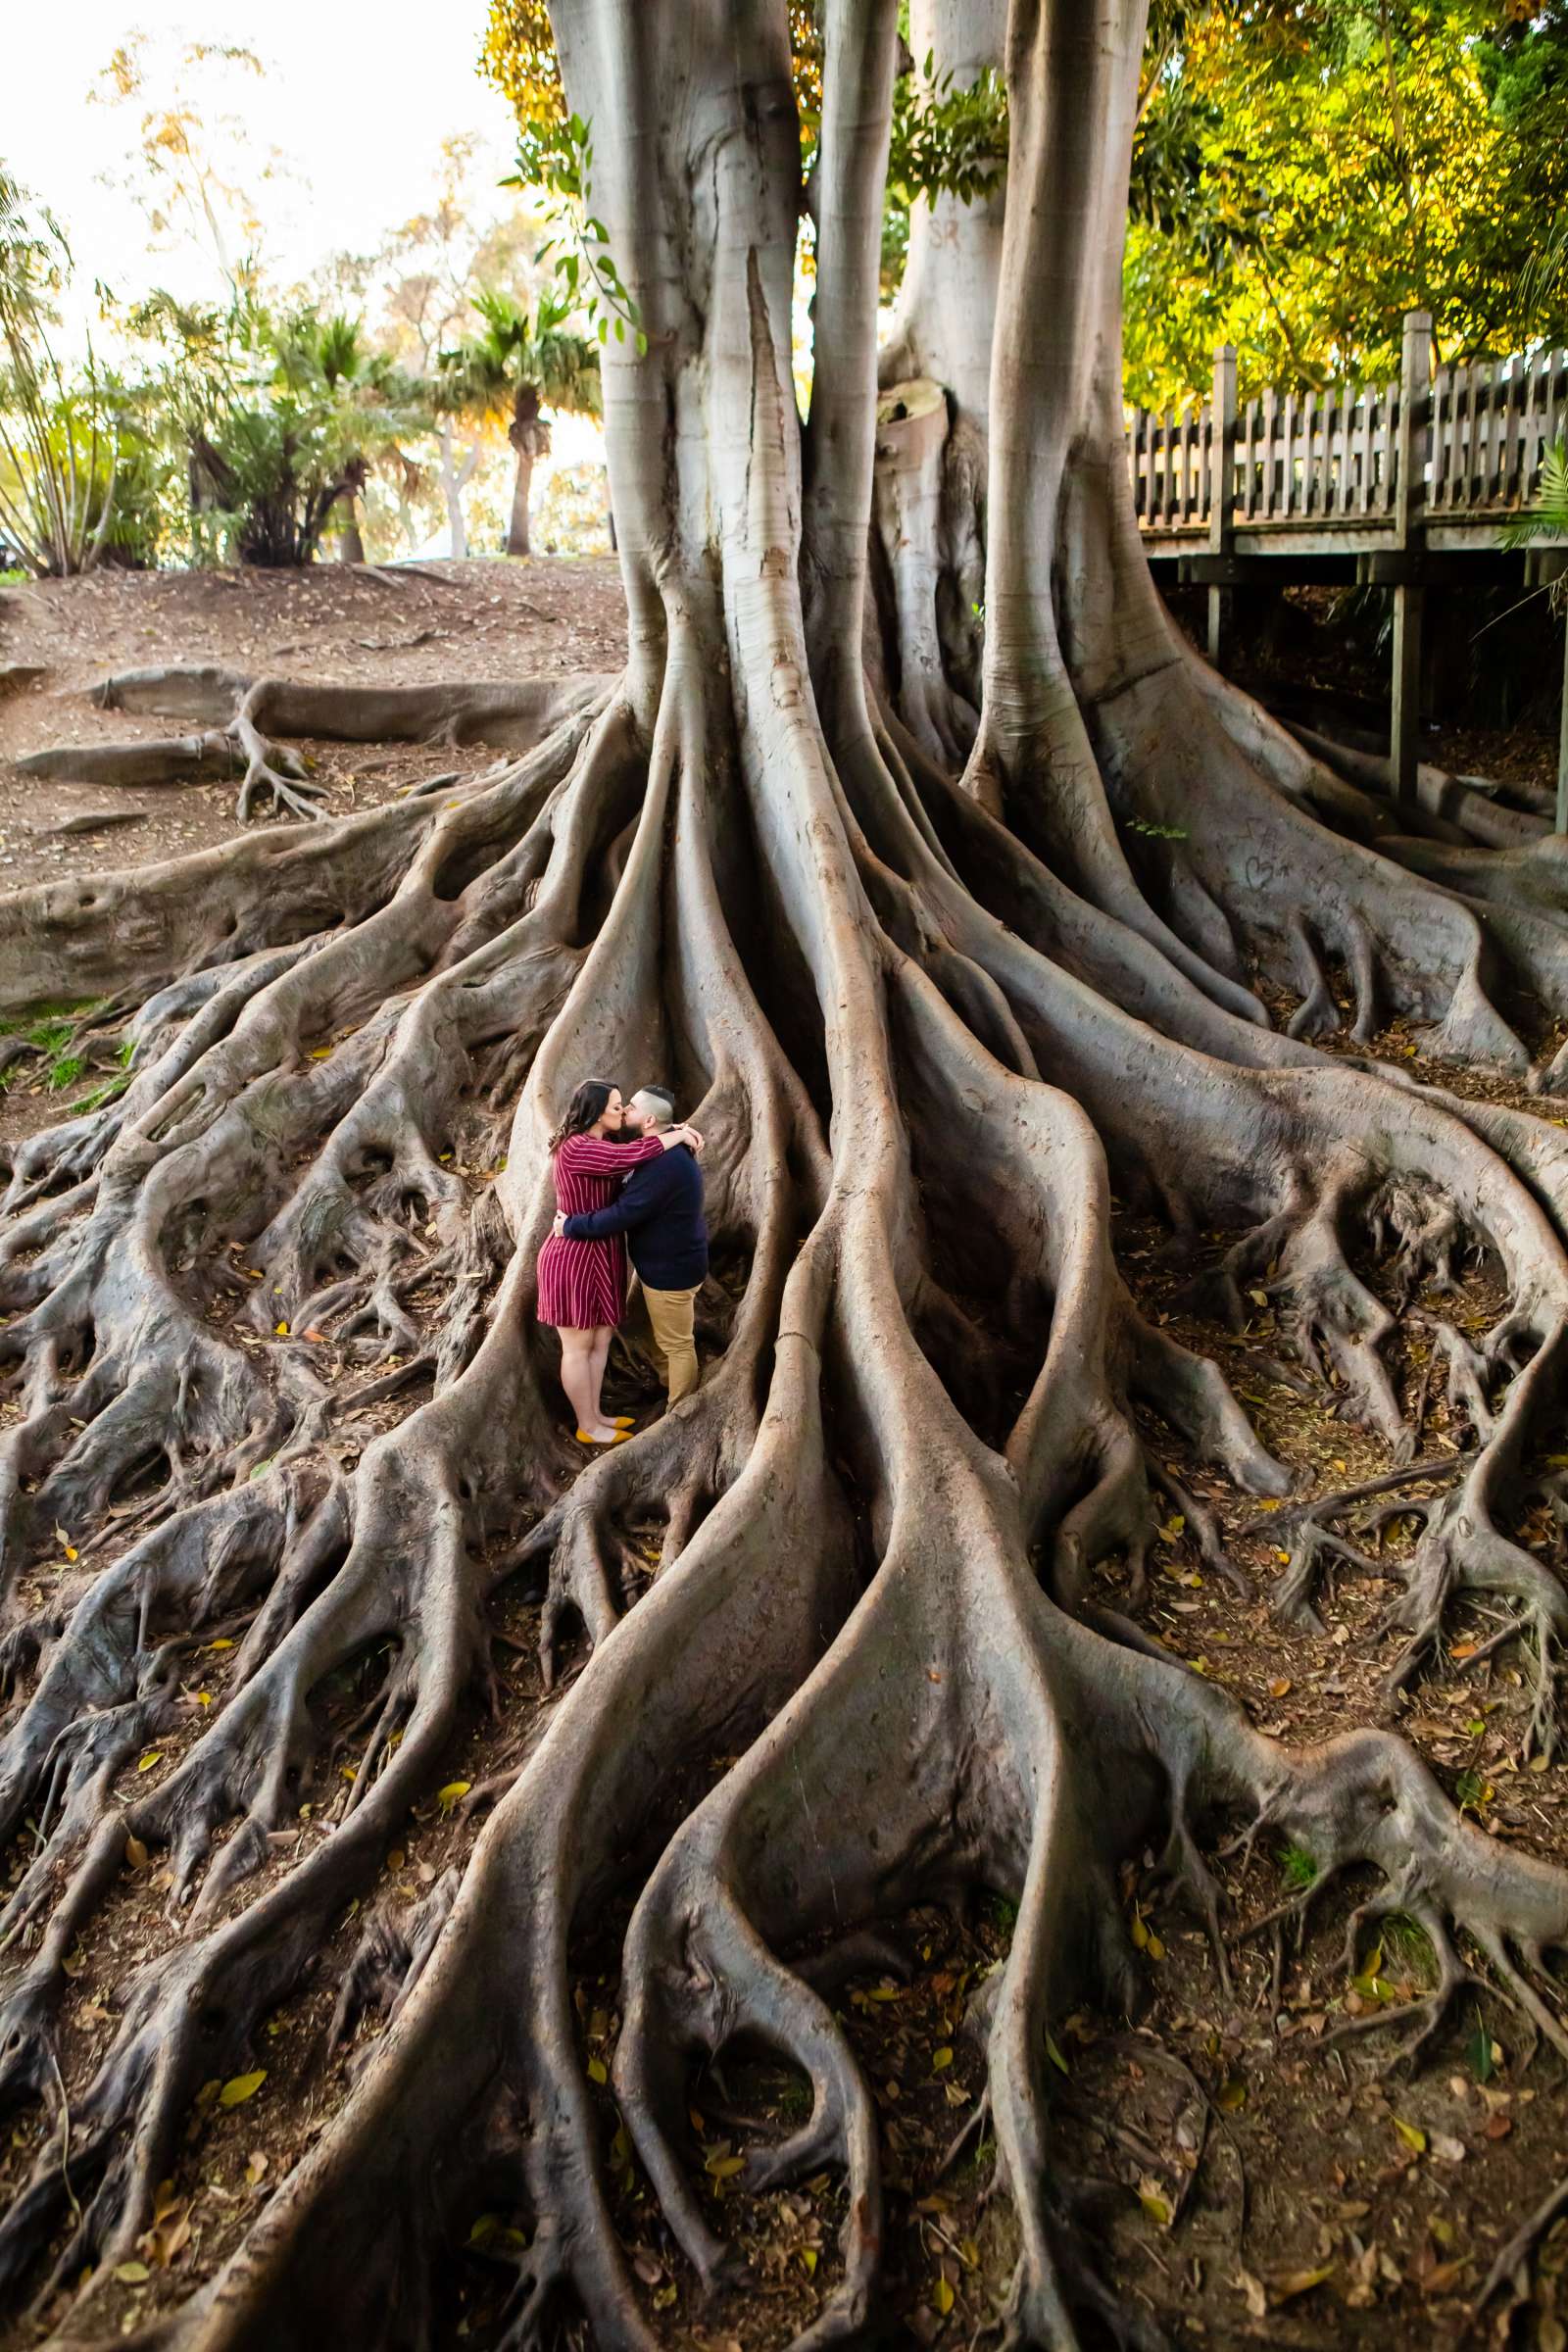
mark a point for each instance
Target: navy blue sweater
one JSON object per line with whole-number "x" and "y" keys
{"x": 659, "y": 1210}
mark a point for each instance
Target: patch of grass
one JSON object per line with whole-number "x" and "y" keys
{"x": 14, "y": 578}
{"x": 792, "y": 2099}
{"x": 1408, "y": 1948}
{"x": 1298, "y": 1867}
{"x": 101, "y": 1094}
{"x": 998, "y": 1911}
{"x": 47, "y": 1035}
{"x": 977, "y": 2166}
{"x": 47, "y": 1011}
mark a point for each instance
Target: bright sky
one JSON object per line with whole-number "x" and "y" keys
{"x": 355, "y": 101}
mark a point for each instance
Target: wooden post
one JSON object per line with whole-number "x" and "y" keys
{"x": 1562, "y": 742}
{"x": 1411, "y": 450}
{"x": 1221, "y": 491}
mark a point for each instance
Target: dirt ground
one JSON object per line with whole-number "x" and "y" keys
{"x": 332, "y": 624}
{"x": 1253, "y": 2179}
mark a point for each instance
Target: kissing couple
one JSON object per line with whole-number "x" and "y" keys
{"x": 625, "y": 1172}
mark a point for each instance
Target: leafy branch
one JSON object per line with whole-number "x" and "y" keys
{"x": 557, "y": 157}
{"x": 945, "y": 139}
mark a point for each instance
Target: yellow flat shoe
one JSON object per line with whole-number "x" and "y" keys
{"x": 623, "y": 1420}
{"x": 619, "y": 1437}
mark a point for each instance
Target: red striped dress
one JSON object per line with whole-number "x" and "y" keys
{"x": 582, "y": 1285}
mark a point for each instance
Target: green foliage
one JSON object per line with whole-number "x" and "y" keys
{"x": 48, "y": 1038}
{"x": 1547, "y": 515}
{"x": 482, "y": 376}
{"x": 558, "y": 158}
{"x": 1408, "y": 1949}
{"x": 60, "y": 436}
{"x": 264, "y": 422}
{"x": 1303, "y": 176}
{"x": 96, "y": 1097}
{"x": 946, "y": 139}
{"x": 1298, "y": 1867}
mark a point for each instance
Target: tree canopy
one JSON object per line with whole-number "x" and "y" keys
{"x": 1306, "y": 173}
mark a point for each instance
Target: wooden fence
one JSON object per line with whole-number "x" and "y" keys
{"x": 1331, "y": 458}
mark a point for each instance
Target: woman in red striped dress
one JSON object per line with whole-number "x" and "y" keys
{"x": 582, "y": 1285}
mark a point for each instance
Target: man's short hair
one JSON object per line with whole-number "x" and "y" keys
{"x": 661, "y": 1099}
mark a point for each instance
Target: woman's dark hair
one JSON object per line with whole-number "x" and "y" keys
{"x": 587, "y": 1105}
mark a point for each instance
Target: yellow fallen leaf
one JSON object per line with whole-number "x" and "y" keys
{"x": 807, "y": 2255}
{"x": 132, "y": 2274}
{"x": 280, "y": 1331}
{"x": 1281, "y": 1687}
{"x": 222, "y": 1643}
{"x": 1411, "y": 2133}
{"x": 256, "y": 2165}
{"x": 153, "y": 1756}
{"x": 1055, "y": 2055}
{"x": 598, "y": 2071}
{"x": 447, "y": 1796}
{"x": 135, "y": 1854}
{"x": 240, "y": 2087}
{"x": 1301, "y": 2283}
{"x": 1155, "y": 2206}
{"x": 1230, "y": 2096}
{"x": 724, "y": 2167}
{"x": 941, "y": 2296}
{"x": 940, "y": 2059}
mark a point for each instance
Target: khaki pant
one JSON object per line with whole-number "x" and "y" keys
{"x": 670, "y": 1318}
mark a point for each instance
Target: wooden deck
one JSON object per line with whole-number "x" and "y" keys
{"x": 1405, "y": 485}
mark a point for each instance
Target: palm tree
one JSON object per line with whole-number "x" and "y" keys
{"x": 510, "y": 373}
{"x": 331, "y": 357}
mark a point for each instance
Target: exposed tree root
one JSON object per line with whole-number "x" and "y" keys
{"x": 244, "y": 714}
{"x": 870, "y": 1668}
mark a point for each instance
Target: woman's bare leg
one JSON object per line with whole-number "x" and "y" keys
{"x": 580, "y": 1378}
{"x": 598, "y": 1360}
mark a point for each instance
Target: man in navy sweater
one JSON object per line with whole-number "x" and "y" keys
{"x": 659, "y": 1210}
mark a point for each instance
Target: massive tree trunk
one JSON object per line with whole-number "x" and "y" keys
{"x": 922, "y": 1041}
{"x": 932, "y": 438}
